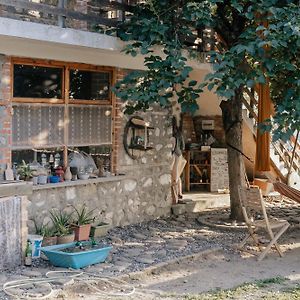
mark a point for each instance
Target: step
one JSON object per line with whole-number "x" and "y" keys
{"x": 195, "y": 206}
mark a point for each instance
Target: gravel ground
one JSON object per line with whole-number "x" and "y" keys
{"x": 137, "y": 247}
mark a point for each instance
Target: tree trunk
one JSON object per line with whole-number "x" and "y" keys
{"x": 232, "y": 121}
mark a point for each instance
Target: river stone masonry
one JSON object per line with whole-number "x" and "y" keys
{"x": 143, "y": 193}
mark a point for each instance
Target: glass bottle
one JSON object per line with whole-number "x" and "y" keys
{"x": 44, "y": 159}
{"x": 56, "y": 160}
{"x": 28, "y": 254}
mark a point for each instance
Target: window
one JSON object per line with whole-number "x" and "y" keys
{"x": 89, "y": 85}
{"x": 59, "y": 107}
{"x": 37, "y": 82}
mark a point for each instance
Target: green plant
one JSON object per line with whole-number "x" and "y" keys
{"x": 83, "y": 216}
{"x": 24, "y": 171}
{"x": 61, "y": 221}
{"x": 44, "y": 229}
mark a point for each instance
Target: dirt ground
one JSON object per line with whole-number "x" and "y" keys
{"x": 219, "y": 272}
{"x": 201, "y": 277}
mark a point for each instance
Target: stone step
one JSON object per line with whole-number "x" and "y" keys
{"x": 200, "y": 205}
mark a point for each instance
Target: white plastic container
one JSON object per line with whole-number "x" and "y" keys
{"x": 36, "y": 244}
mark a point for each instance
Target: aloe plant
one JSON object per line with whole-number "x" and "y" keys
{"x": 44, "y": 229}
{"x": 83, "y": 216}
{"x": 61, "y": 221}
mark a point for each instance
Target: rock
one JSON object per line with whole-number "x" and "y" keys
{"x": 145, "y": 260}
{"x": 165, "y": 179}
{"x": 116, "y": 240}
{"x": 130, "y": 185}
{"x": 3, "y": 278}
{"x": 150, "y": 210}
{"x": 132, "y": 252}
{"x": 139, "y": 236}
{"x": 161, "y": 253}
{"x": 31, "y": 273}
{"x": 148, "y": 182}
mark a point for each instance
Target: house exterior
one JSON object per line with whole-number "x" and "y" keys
{"x": 56, "y": 98}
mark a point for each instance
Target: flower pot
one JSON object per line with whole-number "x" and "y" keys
{"x": 35, "y": 180}
{"x": 49, "y": 241}
{"x": 99, "y": 230}
{"x": 66, "y": 238}
{"x": 42, "y": 179}
{"x": 54, "y": 179}
{"x": 82, "y": 232}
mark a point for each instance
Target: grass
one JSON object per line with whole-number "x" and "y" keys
{"x": 277, "y": 288}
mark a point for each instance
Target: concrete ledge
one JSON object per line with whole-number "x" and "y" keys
{"x": 21, "y": 188}
{"x": 79, "y": 182}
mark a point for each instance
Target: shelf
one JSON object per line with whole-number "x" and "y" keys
{"x": 139, "y": 147}
{"x": 201, "y": 165}
{"x": 201, "y": 183}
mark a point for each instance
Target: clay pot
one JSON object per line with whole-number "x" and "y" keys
{"x": 82, "y": 232}
{"x": 65, "y": 239}
{"x": 99, "y": 230}
{"x": 49, "y": 241}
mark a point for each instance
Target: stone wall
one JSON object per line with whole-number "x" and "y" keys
{"x": 142, "y": 194}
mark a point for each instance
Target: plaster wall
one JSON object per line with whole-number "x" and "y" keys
{"x": 208, "y": 101}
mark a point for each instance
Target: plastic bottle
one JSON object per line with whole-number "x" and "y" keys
{"x": 28, "y": 254}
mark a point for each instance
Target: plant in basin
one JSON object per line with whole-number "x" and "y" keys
{"x": 62, "y": 223}
{"x": 82, "y": 222}
{"x": 47, "y": 232}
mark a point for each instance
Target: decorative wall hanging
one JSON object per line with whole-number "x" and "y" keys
{"x": 136, "y": 137}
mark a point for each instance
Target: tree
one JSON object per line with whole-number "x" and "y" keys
{"x": 258, "y": 42}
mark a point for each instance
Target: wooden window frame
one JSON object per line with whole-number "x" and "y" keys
{"x": 66, "y": 67}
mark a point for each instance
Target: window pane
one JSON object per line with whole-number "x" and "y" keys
{"x": 37, "y": 126}
{"x": 88, "y": 85}
{"x": 37, "y": 82}
{"x": 89, "y": 125}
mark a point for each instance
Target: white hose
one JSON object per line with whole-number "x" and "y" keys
{"x": 84, "y": 277}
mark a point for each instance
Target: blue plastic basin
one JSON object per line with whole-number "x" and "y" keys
{"x": 75, "y": 260}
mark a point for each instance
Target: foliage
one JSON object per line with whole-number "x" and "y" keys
{"x": 258, "y": 43}
{"x": 83, "y": 216}
{"x": 266, "y": 51}
{"x": 24, "y": 171}
{"x": 61, "y": 221}
{"x": 44, "y": 229}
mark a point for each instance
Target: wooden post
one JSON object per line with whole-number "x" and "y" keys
{"x": 62, "y": 19}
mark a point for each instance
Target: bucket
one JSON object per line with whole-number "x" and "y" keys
{"x": 36, "y": 243}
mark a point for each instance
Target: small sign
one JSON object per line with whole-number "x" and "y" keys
{"x": 208, "y": 124}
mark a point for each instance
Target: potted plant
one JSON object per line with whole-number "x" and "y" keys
{"x": 48, "y": 233}
{"x": 82, "y": 223}
{"x": 24, "y": 171}
{"x": 62, "y": 223}
{"x": 99, "y": 229}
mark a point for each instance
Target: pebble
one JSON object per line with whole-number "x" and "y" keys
{"x": 145, "y": 260}
{"x": 31, "y": 273}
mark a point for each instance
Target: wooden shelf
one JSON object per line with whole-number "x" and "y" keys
{"x": 140, "y": 147}
{"x": 196, "y": 170}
